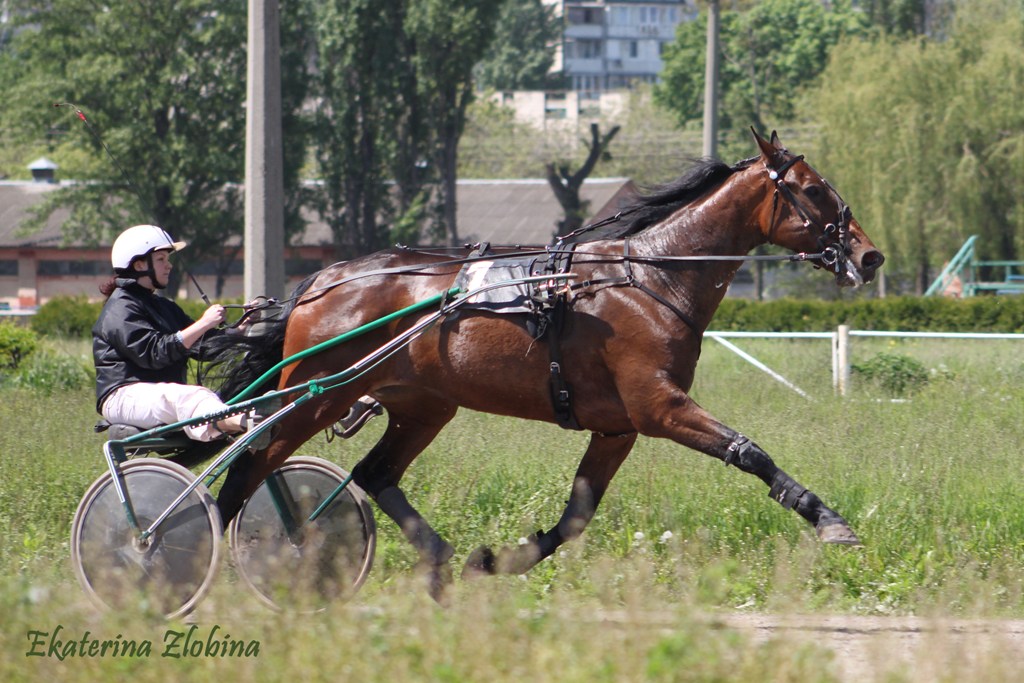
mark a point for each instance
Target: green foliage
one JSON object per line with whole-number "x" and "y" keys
{"x": 906, "y": 17}
{"x": 897, "y": 374}
{"x": 66, "y": 316}
{"x": 360, "y": 126}
{"x": 16, "y": 344}
{"x": 925, "y": 139}
{"x": 769, "y": 52}
{"x": 393, "y": 83}
{"x": 523, "y": 49}
{"x": 163, "y": 87}
{"x": 49, "y": 372}
{"x": 450, "y": 36}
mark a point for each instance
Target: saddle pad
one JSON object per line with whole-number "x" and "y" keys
{"x": 513, "y": 297}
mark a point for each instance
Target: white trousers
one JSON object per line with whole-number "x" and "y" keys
{"x": 149, "y": 405}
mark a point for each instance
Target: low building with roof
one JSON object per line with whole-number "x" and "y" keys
{"x": 39, "y": 266}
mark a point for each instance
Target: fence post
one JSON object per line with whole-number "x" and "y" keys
{"x": 841, "y": 360}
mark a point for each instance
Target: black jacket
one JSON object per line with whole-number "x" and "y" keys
{"x": 135, "y": 340}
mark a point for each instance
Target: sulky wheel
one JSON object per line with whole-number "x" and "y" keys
{"x": 295, "y": 564}
{"x": 168, "y": 573}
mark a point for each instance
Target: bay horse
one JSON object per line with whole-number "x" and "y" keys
{"x": 629, "y": 340}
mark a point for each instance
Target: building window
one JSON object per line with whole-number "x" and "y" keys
{"x": 8, "y": 267}
{"x": 76, "y": 268}
{"x": 588, "y": 49}
{"x": 585, "y": 15}
{"x": 634, "y": 49}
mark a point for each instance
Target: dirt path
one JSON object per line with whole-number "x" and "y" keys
{"x": 918, "y": 649}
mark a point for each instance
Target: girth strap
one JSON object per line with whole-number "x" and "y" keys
{"x": 551, "y": 318}
{"x": 561, "y": 391}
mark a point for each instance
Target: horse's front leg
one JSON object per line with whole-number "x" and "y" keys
{"x": 600, "y": 463}
{"x": 685, "y": 422}
{"x": 412, "y": 425}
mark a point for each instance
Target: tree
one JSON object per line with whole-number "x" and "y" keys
{"x": 566, "y": 185}
{"x": 359, "y": 52}
{"x": 523, "y": 51}
{"x": 162, "y": 85}
{"x": 926, "y": 140}
{"x": 449, "y": 38}
{"x": 770, "y": 53}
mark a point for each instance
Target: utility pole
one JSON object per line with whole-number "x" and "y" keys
{"x": 711, "y": 81}
{"x": 264, "y": 158}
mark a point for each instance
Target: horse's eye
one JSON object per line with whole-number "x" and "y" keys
{"x": 813, "y": 192}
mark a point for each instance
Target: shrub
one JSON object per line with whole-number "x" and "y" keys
{"x": 48, "y": 372}
{"x": 904, "y": 313}
{"x": 66, "y": 316}
{"x": 896, "y": 374}
{"x": 16, "y": 344}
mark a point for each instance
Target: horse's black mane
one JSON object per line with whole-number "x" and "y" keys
{"x": 654, "y": 204}
{"x": 231, "y": 362}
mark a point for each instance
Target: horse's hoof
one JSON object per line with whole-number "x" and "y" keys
{"x": 481, "y": 562}
{"x": 438, "y": 578}
{"x": 838, "y": 533}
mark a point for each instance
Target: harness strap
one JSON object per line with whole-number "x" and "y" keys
{"x": 561, "y": 391}
{"x": 550, "y": 319}
{"x": 632, "y": 281}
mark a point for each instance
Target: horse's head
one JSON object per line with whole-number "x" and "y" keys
{"x": 806, "y": 214}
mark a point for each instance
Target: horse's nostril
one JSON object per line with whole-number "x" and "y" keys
{"x": 871, "y": 259}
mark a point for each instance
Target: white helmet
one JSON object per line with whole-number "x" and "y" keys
{"x": 138, "y": 241}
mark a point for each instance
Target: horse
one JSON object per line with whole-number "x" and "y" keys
{"x": 628, "y": 337}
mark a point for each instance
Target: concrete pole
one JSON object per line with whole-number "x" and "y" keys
{"x": 711, "y": 81}
{"x": 264, "y": 159}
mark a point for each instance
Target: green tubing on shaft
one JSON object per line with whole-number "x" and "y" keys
{"x": 362, "y": 329}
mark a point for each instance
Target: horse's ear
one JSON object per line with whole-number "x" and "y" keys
{"x": 775, "y": 140}
{"x": 767, "y": 150}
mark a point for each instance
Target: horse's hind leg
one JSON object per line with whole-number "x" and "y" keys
{"x": 600, "y": 463}
{"x": 410, "y": 430}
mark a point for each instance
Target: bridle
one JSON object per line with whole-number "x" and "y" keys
{"x": 834, "y": 240}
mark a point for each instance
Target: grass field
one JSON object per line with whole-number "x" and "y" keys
{"x": 932, "y": 484}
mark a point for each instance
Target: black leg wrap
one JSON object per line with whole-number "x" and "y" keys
{"x": 785, "y": 490}
{"x": 748, "y": 457}
{"x": 735, "y": 451}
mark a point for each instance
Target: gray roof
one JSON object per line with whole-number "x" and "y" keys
{"x": 497, "y": 211}
{"x": 16, "y": 197}
{"x": 520, "y": 211}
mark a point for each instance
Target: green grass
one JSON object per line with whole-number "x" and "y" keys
{"x": 932, "y": 485}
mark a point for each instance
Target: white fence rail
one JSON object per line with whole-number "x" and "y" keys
{"x": 840, "y": 348}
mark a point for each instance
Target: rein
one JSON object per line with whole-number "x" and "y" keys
{"x": 833, "y": 242}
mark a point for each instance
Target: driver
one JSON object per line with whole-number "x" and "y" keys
{"x": 142, "y": 343}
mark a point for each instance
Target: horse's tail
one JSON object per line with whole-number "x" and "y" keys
{"x": 232, "y": 362}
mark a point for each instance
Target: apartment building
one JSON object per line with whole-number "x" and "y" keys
{"x": 613, "y": 44}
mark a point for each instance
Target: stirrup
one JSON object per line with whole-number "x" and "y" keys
{"x": 359, "y": 414}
